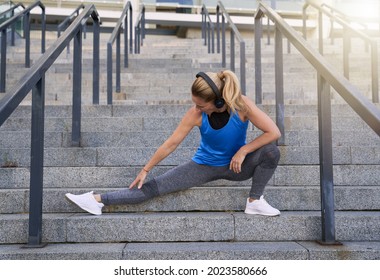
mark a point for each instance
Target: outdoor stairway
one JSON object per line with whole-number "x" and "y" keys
{"x": 206, "y": 222}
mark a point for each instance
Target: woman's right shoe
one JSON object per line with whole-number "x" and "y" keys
{"x": 260, "y": 207}
{"x": 87, "y": 202}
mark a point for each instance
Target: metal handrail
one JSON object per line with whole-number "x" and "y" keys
{"x": 348, "y": 29}
{"x": 345, "y": 17}
{"x": 12, "y": 10}
{"x": 327, "y": 75}
{"x": 15, "y": 6}
{"x": 140, "y": 29}
{"x": 68, "y": 19}
{"x": 34, "y": 80}
{"x": 3, "y": 29}
{"x": 116, "y": 36}
{"x": 66, "y": 22}
{"x": 233, "y": 33}
{"x": 209, "y": 25}
{"x": 342, "y": 15}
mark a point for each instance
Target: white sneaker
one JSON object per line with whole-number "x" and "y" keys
{"x": 260, "y": 207}
{"x": 87, "y": 202}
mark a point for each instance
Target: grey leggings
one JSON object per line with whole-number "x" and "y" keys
{"x": 259, "y": 165}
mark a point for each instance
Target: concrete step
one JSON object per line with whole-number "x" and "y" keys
{"x": 217, "y": 196}
{"x": 190, "y": 227}
{"x": 128, "y": 151}
{"x": 343, "y": 117}
{"x": 171, "y": 110}
{"x": 286, "y": 250}
{"x": 16, "y": 126}
{"x": 112, "y": 176}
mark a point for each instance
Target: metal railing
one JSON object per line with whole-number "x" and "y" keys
{"x": 34, "y": 80}
{"x": 327, "y": 76}
{"x": 116, "y": 36}
{"x": 234, "y": 33}
{"x": 12, "y": 11}
{"x": 344, "y": 17}
{"x": 66, "y": 22}
{"x": 3, "y": 29}
{"x": 208, "y": 27}
{"x": 140, "y": 29}
{"x": 348, "y": 30}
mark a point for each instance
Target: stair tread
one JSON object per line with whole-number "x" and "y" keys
{"x": 196, "y": 250}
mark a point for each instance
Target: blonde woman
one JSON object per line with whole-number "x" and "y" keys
{"x": 221, "y": 113}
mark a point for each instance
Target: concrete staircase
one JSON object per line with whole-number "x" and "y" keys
{"x": 206, "y": 222}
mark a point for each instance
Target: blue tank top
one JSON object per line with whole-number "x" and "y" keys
{"x": 218, "y": 146}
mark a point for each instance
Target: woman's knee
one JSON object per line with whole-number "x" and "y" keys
{"x": 270, "y": 155}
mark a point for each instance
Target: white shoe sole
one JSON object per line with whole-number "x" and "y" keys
{"x": 252, "y": 212}
{"x": 72, "y": 200}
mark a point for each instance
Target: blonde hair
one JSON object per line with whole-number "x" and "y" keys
{"x": 228, "y": 85}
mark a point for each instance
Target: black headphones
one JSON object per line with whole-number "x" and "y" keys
{"x": 219, "y": 101}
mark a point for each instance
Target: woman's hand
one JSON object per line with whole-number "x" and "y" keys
{"x": 139, "y": 181}
{"x": 237, "y": 161}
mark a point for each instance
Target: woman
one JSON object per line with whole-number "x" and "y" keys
{"x": 222, "y": 115}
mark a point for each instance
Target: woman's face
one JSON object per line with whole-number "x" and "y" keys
{"x": 203, "y": 106}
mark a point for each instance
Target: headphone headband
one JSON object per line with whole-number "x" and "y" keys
{"x": 219, "y": 101}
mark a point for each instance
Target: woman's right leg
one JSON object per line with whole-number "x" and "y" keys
{"x": 182, "y": 177}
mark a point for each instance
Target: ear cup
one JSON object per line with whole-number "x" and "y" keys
{"x": 219, "y": 101}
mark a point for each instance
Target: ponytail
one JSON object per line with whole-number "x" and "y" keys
{"x": 231, "y": 91}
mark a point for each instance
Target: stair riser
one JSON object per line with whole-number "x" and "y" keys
{"x": 207, "y": 198}
{"x": 101, "y": 156}
{"x": 175, "y": 227}
{"x": 301, "y": 250}
{"x": 90, "y": 177}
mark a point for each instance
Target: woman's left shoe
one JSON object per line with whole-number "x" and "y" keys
{"x": 260, "y": 207}
{"x": 87, "y": 202}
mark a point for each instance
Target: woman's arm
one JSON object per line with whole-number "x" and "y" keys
{"x": 191, "y": 118}
{"x": 263, "y": 122}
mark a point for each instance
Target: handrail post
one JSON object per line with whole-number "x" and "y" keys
{"x": 242, "y": 68}
{"x": 203, "y": 26}
{"x": 320, "y": 30}
{"x": 258, "y": 77}
{"x": 374, "y": 70}
{"x": 3, "y": 60}
{"x": 346, "y": 53}
{"x": 77, "y": 89}
{"x": 279, "y": 78}
{"x": 223, "y": 42}
{"x": 118, "y": 62}
{"x": 304, "y": 19}
{"x": 142, "y": 26}
{"x": 213, "y": 38}
{"x": 109, "y": 73}
{"x": 125, "y": 32}
{"x": 27, "y": 39}
{"x": 36, "y": 165}
{"x": 43, "y": 29}
{"x": 13, "y": 30}
{"x": 138, "y": 41}
{"x": 217, "y": 30}
{"x": 96, "y": 62}
{"x": 208, "y": 38}
{"x": 268, "y": 32}
{"x": 326, "y": 162}
{"x": 232, "y": 50}
{"x": 131, "y": 31}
